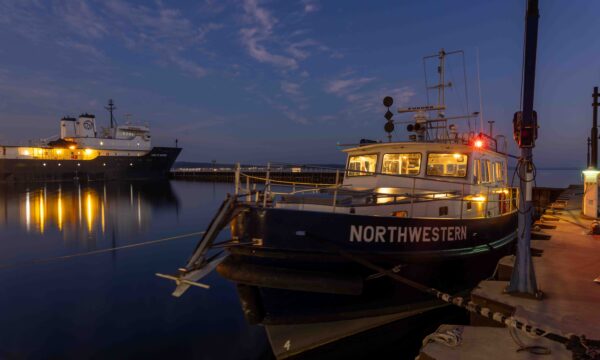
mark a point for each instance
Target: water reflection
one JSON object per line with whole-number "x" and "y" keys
{"x": 84, "y": 209}
{"x": 110, "y": 304}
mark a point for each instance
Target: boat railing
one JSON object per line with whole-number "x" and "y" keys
{"x": 506, "y": 198}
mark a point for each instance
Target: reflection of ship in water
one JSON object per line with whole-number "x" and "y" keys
{"x": 90, "y": 210}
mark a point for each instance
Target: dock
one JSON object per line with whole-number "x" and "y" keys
{"x": 567, "y": 268}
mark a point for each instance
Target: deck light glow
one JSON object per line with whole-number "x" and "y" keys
{"x": 478, "y": 143}
{"x": 88, "y": 151}
{"x": 72, "y": 147}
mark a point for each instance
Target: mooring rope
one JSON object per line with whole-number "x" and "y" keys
{"x": 582, "y": 348}
{"x": 95, "y": 252}
{"x": 286, "y": 182}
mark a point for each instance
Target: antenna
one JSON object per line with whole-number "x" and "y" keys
{"x": 480, "y": 98}
{"x": 441, "y": 85}
{"x": 111, "y": 107}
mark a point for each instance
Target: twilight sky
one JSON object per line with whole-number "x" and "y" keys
{"x": 254, "y": 81}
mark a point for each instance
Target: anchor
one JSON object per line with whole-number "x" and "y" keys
{"x": 199, "y": 266}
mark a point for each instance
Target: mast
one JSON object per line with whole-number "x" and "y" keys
{"x": 594, "y": 145}
{"x": 441, "y": 85}
{"x": 523, "y": 281}
{"x": 111, "y": 107}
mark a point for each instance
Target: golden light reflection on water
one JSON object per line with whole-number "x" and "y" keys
{"x": 59, "y": 209}
{"x": 86, "y": 207}
{"x": 82, "y": 210}
{"x": 40, "y": 209}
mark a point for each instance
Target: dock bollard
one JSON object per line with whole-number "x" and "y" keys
{"x": 595, "y": 228}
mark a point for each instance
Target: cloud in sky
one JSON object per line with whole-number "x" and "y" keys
{"x": 290, "y": 88}
{"x": 84, "y": 26}
{"x": 342, "y": 87}
{"x": 311, "y": 6}
{"x": 259, "y": 33}
{"x": 82, "y": 20}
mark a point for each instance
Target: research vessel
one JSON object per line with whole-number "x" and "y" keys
{"x": 85, "y": 151}
{"x": 436, "y": 209}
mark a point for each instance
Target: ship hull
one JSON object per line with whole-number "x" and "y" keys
{"x": 297, "y": 272}
{"x": 152, "y": 166}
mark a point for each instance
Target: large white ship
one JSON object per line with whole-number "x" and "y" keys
{"x": 89, "y": 152}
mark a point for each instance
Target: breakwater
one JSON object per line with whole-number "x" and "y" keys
{"x": 256, "y": 174}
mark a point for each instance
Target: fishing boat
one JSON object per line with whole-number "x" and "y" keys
{"x": 85, "y": 151}
{"x": 436, "y": 209}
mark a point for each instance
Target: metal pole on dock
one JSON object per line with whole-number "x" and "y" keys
{"x": 594, "y": 152}
{"x": 588, "y": 152}
{"x": 590, "y": 175}
{"x": 523, "y": 281}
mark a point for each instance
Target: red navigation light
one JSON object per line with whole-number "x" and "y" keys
{"x": 478, "y": 143}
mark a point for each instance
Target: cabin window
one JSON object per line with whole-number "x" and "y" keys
{"x": 401, "y": 164}
{"x": 499, "y": 171}
{"x": 476, "y": 165}
{"x": 362, "y": 165}
{"x": 486, "y": 172}
{"x": 454, "y": 165}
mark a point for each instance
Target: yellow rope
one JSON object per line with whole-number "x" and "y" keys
{"x": 286, "y": 182}
{"x": 100, "y": 251}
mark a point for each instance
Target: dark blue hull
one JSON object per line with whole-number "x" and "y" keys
{"x": 153, "y": 166}
{"x": 296, "y": 271}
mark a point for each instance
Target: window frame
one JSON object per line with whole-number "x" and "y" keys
{"x": 500, "y": 165}
{"x": 483, "y": 165}
{"x": 404, "y": 153}
{"x": 362, "y": 174}
{"x": 468, "y": 155}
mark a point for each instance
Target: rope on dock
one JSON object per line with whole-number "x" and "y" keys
{"x": 450, "y": 338}
{"x": 100, "y": 251}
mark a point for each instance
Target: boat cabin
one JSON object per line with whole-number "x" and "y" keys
{"x": 416, "y": 179}
{"x": 430, "y": 165}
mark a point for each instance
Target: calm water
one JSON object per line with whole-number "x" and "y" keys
{"x": 112, "y": 305}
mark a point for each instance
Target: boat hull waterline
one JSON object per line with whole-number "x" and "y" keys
{"x": 298, "y": 274}
{"x": 153, "y": 165}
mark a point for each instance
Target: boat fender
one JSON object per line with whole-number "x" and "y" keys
{"x": 252, "y": 305}
{"x": 280, "y": 277}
